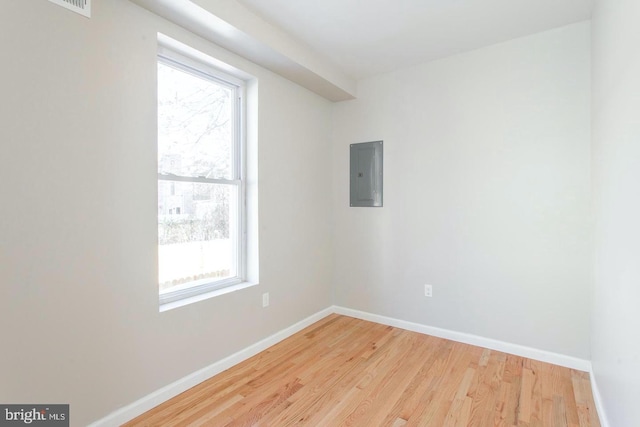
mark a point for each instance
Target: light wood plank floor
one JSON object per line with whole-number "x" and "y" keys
{"x": 345, "y": 371}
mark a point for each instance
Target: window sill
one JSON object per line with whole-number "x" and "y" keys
{"x": 201, "y": 297}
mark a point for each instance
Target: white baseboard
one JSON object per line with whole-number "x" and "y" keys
{"x": 505, "y": 347}
{"x": 152, "y": 400}
{"x": 597, "y": 397}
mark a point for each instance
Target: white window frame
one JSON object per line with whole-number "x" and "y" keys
{"x": 174, "y": 59}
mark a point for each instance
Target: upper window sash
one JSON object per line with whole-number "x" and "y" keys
{"x": 237, "y": 86}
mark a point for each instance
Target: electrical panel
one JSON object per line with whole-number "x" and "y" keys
{"x": 366, "y": 174}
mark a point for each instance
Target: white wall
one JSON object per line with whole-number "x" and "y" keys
{"x": 487, "y": 197}
{"x": 486, "y": 193}
{"x": 79, "y": 302}
{"x": 616, "y": 177}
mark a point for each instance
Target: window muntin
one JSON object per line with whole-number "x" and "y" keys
{"x": 200, "y": 179}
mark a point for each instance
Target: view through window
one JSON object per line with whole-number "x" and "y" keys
{"x": 200, "y": 188}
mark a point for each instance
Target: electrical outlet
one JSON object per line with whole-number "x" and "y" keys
{"x": 428, "y": 291}
{"x": 265, "y": 299}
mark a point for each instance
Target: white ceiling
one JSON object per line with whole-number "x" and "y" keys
{"x": 367, "y": 37}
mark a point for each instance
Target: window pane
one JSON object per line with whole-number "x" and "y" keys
{"x": 197, "y": 233}
{"x": 195, "y": 125}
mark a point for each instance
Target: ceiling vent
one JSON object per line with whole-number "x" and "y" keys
{"x": 83, "y": 7}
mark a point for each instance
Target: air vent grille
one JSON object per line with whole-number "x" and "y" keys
{"x": 83, "y": 7}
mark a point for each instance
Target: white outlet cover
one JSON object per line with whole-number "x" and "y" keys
{"x": 428, "y": 290}
{"x": 265, "y": 299}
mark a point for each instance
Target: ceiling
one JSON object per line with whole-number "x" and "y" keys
{"x": 368, "y": 37}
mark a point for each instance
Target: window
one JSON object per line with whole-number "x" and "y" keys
{"x": 201, "y": 186}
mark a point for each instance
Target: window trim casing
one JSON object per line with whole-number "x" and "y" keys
{"x": 173, "y": 58}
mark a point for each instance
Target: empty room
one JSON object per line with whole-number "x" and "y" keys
{"x": 342, "y": 212}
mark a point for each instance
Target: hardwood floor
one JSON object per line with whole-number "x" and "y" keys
{"x": 345, "y": 371}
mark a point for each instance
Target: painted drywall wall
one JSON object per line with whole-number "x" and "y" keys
{"x": 79, "y": 315}
{"x": 616, "y": 174}
{"x": 486, "y": 193}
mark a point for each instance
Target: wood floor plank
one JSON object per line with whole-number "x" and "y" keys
{"x": 377, "y": 368}
{"x": 345, "y": 371}
{"x": 441, "y": 397}
{"x": 413, "y": 395}
{"x": 328, "y": 380}
{"x": 382, "y": 399}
